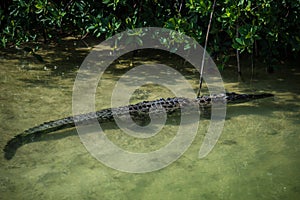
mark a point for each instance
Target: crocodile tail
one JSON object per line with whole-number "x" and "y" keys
{"x": 34, "y": 133}
{"x": 241, "y": 98}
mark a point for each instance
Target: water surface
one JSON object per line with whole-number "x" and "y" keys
{"x": 256, "y": 157}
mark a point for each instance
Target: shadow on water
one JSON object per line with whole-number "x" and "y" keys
{"x": 22, "y": 139}
{"x": 64, "y": 64}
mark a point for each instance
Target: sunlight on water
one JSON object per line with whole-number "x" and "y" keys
{"x": 257, "y": 156}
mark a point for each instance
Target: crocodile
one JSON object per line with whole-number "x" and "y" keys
{"x": 139, "y": 111}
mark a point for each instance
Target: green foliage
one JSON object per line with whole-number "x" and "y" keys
{"x": 271, "y": 26}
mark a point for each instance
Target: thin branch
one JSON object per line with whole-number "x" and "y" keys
{"x": 238, "y": 54}
{"x": 205, "y": 45}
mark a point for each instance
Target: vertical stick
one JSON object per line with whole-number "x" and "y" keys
{"x": 205, "y": 45}
{"x": 238, "y": 54}
{"x": 252, "y": 66}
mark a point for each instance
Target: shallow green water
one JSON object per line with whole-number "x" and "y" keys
{"x": 256, "y": 157}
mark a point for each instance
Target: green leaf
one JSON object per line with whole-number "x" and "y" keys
{"x": 39, "y": 6}
{"x": 139, "y": 41}
{"x": 240, "y": 41}
{"x": 187, "y": 46}
{"x": 173, "y": 49}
